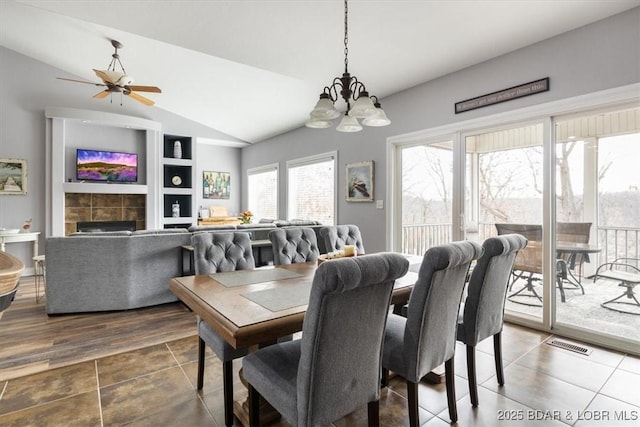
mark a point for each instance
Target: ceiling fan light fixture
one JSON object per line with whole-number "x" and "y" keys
{"x": 115, "y": 81}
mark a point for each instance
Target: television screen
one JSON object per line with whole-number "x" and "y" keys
{"x": 94, "y": 165}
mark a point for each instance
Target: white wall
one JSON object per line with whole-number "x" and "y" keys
{"x": 600, "y": 56}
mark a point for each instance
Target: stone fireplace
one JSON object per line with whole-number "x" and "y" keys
{"x": 86, "y": 207}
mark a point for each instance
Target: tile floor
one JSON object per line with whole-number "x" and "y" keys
{"x": 154, "y": 386}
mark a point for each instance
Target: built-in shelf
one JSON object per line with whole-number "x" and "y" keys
{"x": 178, "y": 179}
{"x": 93, "y": 187}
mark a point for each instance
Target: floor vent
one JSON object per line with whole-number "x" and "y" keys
{"x": 571, "y": 347}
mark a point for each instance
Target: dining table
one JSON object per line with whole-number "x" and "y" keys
{"x": 253, "y": 308}
{"x": 256, "y": 307}
{"x": 572, "y": 250}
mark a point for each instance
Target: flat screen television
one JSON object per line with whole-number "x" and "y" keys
{"x": 107, "y": 166}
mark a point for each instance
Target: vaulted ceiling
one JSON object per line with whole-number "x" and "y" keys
{"x": 254, "y": 69}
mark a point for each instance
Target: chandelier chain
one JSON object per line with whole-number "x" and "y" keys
{"x": 346, "y": 37}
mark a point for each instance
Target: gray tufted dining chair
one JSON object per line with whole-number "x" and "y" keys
{"x": 334, "y": 368}
{"x": 335, "y": 237}
{"x": 217, "y": 252}
{"x": 481, "y": 315}
{"x": 294, "y": 245}
{"x": 426, "y": 338}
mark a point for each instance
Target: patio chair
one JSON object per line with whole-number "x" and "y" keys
{"x": 528, "y": 265}
{"x": 627, "y": 272}
{"x": 574, "y": 232}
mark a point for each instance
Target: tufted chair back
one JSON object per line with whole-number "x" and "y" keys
{"x": 336, "y": 237}
{"x": 227, "y": 251}
{"x": 294, "y": 245}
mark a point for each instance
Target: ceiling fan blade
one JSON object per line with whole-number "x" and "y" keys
{"x": 81, "y": 81}
{"x": 104, "y": 76}
{"x": 145, "y": 89}
{"x": 102, "y": 94}
{"x": 145, "y": 101}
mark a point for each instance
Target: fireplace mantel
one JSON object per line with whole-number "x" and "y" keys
{"x": 92, "y": 187}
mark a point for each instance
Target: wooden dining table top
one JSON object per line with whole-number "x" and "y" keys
{"x": 244, "y": 323}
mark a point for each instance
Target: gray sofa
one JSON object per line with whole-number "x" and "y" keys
{"x": 112, "y": 271}
{"x": 122, "y": 270}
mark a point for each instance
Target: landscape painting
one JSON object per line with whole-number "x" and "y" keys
{"x": 13, "y": 176}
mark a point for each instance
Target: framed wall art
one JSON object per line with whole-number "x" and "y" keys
{"x": 216, "y": 185}
{"x": 13, "y": 176}
{"x": 359, "y": 177}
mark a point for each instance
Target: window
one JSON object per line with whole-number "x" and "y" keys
{"x": 262, "y": 189}
{"x": 311, "y": 188}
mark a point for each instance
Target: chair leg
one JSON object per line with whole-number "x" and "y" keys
{"x": 471, "y": 374}
{"x": 384, "y": 380}
{"x": 373, "y": 412}
{"x": 451, "y": 390}
{"x": 227, "y": 381}
{"x": 254, "y": 407}
{"x": 412, "y": 402}
{"x": 201, "y": 348}
{"x": 497, "y": 354}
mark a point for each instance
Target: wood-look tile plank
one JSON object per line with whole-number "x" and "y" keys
{"x": 34, "y": 342}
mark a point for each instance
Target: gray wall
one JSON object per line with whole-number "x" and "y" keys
{"x": 219, "y": 159}
{"x": 600, "y": 56}
{"x": 27, "y": 87}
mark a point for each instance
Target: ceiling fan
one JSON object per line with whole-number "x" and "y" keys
{"x": 118, "y": 81}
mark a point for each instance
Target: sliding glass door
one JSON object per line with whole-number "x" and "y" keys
{"x": 504, "y": 194}
{"x": 597, "y": 222}
{"x": 569, "y": 184}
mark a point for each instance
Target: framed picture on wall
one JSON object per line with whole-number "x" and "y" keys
{"x": 359, "y": 177}
{"x": 13, "y": 176}
{"x": 216, "y": 185}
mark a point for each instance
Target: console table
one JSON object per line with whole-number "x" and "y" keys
{"x": 20, "y": 237}
{"x": 220, "y": 220}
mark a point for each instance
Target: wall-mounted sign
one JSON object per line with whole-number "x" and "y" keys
{"x": 519, "y": 91}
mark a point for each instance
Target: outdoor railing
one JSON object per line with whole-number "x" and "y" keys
{"x": 617, "y": 242}
{"x": 614, "y": 242}
{"x": 416, "y": 239}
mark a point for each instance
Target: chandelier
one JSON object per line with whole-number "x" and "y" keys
{"x": 359, "y": 104}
